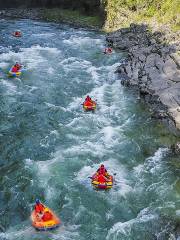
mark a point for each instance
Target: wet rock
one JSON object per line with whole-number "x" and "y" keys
{"x": 176, "y": 149}
{"x": 153, "y": 65}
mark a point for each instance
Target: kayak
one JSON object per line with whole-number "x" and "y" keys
{"x": 108, "y": 51}
{"x": 17, "y": 34}
{"x": 14, "y": 74}
{"x": 41, "y": 225}
{"x": 88, "y": 107}
{"x": 102, "y": 185}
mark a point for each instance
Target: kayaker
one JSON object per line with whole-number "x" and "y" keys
{"x": 39, "y": 207}
{"x": 102, "y": 170}
{"x": 47, "y": 215}
{"x": 16, "y": 67}
{"x": 88, "y": 99}
{"x": 17, "y": 34}
{"x": 101, "y": 178}
{"x": 89, "y": 103}
{"x": 108, "y": 50}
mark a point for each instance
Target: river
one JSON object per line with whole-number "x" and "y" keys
{"x": 50, "y": 146}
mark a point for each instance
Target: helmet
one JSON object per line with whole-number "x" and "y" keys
{"x": 102, "y": 166}
{"x": 37, "y": 201}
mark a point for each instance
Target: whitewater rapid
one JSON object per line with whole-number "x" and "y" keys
{"x": 50, "y": 146}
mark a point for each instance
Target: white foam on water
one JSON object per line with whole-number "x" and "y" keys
{"x": 102, "y": 74}
{"x": 44, "y": 171}
{"x": 11, "y": 88}
{"x": 94, "y": 74}
{"x": 32, "y": 57}
{"x": 82, "y": 42}
{"x": 105, "y": 134}
{"x": 85, "y": 148}
{"x": 43, "y": 34}
{"x": 152, "y": 169}
{"x": 56, "y": 107}
{"x": 4, "y": 65}
{"x": 64, "y": 232}
{"x": 178, "y": 213}
{"x": 138, "y": 169}
{"x": 154, "y": 164}
{"x": 122, "y": 230}
{"x": 32, "y": 88}
{"x": 75, "y": 104}
{"x": 20, "y": 234}
{"x": 50, "y": 70}
{"x": 110, "y": 135}
{"x": 75, "y": 63}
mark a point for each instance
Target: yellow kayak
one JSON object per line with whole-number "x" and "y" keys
{"x": 43, "y": 225}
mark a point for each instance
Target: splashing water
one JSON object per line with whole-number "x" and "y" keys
{"x": 50, "y": 146}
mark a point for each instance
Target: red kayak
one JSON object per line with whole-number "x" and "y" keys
{"x": 17, "y": 34}
{"x": 89, "y": 105}
{"x": 100, "y": 181}
{"x": 107, "y": 50}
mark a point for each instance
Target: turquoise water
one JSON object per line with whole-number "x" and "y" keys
{"x": 50, "y": 146}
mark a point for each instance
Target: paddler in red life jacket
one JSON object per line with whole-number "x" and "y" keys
{"x": 16, "y": 67}
{"x": 108, "y": 50}
{"x": 17, "y": 34}
{"x": 102, "y": 170}
{"x": 88, "y": 101}
{"x": 47, "y": 215}
{"x": 101, "y": 178}
{"x": 39, "y": 207}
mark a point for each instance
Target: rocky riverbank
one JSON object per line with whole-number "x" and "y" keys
{"x": 152, "y": 65}
{"x": 31, "y": 13}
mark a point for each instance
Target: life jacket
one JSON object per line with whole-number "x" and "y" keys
{"x": 18, "y": 67}
{"x": 14, "y": 69}
{"x": 88, "y": 98}
{"x": 101, "y": 178}
{"x": 102, "y": 171}
{"x": 108, "y": 50}
{"x": 47, "y": 216}
{"x": 17, "y": 33}
{"x": 88, "y": 103}
{"x": 39, "y": 208}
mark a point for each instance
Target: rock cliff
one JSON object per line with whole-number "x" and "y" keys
{"x": 153, "y": 65}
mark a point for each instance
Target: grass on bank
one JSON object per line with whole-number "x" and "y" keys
{"x": 72, "y": 17}
{"x": 124, "y": 12}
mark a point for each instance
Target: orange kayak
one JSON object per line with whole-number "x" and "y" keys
{"x": 41, "y": 225}
{"x": 89, "y": 106}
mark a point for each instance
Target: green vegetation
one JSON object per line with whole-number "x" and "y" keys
{"x": 72, "y": 17}
{"x": 121, "y": 13}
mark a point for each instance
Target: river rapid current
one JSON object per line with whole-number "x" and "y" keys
{"x": 50, "y": 146}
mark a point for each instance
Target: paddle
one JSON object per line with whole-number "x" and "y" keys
{"x": 113, "y": 174}
{"x": 115, "y": 182}
{"x": 93, "y": 101}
